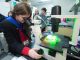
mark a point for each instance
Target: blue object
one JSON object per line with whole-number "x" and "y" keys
{"x": 15, "y": 22}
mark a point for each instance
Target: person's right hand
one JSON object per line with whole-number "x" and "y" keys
{"x": 33, "y": 54}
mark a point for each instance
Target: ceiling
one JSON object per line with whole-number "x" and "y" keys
{"x": 39, "y": 2}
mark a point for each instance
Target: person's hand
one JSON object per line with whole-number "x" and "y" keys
{"x": 33, "y": 54}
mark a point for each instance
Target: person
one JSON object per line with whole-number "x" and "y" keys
{"x": 36, "y": 14}
{"x": 2, "y": 17}
{"x": 9, "y": 13}
{"x": 43, "y": 19}
{"x": 18, "y": 39}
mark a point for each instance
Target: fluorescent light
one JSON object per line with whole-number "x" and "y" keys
{"x": 44, "y": 0}
{"x": 77, "y": 1}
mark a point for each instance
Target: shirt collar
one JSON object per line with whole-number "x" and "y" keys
{"x": 14, "y": 21}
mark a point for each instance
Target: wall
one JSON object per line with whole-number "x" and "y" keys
{"x": 2, "y": 0}
{"x": 4, "y": 8}
{"x": 65, "y": 5}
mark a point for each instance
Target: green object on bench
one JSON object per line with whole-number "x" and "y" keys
{"x": 51, "y": 40}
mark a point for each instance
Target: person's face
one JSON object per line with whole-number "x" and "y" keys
{"x": 36, "y": 12}
{"x": 43, "y": 12}
{"x": 22, "y": 18}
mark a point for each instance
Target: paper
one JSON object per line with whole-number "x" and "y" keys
{"x": 19, "y": 58}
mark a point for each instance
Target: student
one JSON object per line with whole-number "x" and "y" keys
{"x": 17, "y": 37}
{"x": 35, "y": 15}
{"x": 44, "y": 19}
